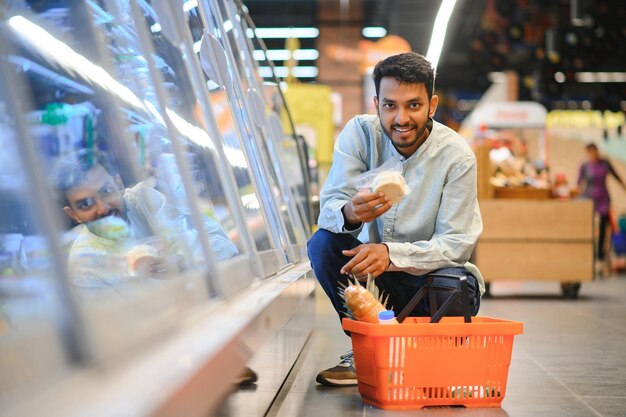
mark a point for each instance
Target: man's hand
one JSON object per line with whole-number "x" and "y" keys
{"x": 365, "y": 207}
{"x": 368, "y": 258}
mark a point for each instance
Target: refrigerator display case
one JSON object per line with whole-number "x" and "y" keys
{"x": 292, "y": 148}
{"x": 34, "y": 325}
{"x": 142, "y": 204}
{"x": 133, "y": 259}
{"x": 216, "y": 51}
{"x": 190, "y": 160}
{"x": 265, "y": 111}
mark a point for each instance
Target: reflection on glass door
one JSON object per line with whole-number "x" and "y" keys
{"x": 32, "y": 314}
{"x": 131, "y": 252}
{"x": 236, "y": 87}
{"x": 269, "y": 143}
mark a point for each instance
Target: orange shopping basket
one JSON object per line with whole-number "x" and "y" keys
{"x": 421, "y": 363}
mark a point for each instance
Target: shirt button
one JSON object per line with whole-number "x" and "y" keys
{"x": 388, "y": 230}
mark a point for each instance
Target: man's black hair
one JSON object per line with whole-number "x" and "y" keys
{"x": 70, "y": 170}
{"x": 591, "y": 146}
{"x": 408, "y": 68}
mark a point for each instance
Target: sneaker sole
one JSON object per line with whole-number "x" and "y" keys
{"x": 329, "y": 382}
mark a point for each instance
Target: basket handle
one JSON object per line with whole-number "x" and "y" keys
{"x": 438, "y": 313}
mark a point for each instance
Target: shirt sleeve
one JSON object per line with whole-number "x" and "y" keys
{"x": 348, "y": 162}
{"x": 458, "y": 226}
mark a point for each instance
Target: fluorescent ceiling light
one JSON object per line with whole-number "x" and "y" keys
{"x": 155, "y": 28}
{"x": 285, "y": 54}
{"x": 559, "y": 77}
{"x": 600, "y": 77}
{"x": 196, "y": 46}
{"x": 58, "y": 53}
{"x": 374, "y": 32}
{"x": 283, "y": 72}
{"x": 28, "y": 65}
{"x": 439, "y": 31}
{"x": 228, "y": 25}
{"x": 190, "y": 4}
{"x": 250, "y": 201}
{"x": 287, "y": 32}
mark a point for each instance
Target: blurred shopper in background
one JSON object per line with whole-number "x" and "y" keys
{"x": 434, "y": 228}
{"x": 592, "y": 177}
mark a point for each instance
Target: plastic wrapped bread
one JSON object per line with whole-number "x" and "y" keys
{"x": 392, "y": 184}
{"x": 140, "y": 259}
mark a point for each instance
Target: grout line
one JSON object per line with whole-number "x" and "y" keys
{"x": 274, "y": 410}
{"x": 578, "y": 397}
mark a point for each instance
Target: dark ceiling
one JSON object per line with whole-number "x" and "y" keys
{"x": 535, "y": 38}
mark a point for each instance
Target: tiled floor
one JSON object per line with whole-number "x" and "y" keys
{"x": 570, "y": 361}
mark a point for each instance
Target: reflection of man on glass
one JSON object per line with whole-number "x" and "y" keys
{"x": 123, "y": 233}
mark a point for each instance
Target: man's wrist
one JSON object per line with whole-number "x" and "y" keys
{"x": 388, "y": 255}
{"x": 346, "y": 210}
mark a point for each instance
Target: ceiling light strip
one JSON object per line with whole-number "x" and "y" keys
{"x": 439, "y": 31}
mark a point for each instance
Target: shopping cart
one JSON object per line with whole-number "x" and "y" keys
{"x": 434, "y": 361}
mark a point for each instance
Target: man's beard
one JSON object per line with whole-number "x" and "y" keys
{"x": 419, "y": 132}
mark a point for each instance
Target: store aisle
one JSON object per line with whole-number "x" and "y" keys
{"x": 570, "y": 361}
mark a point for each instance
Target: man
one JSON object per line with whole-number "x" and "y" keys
{"x": 434, "y": 228}
{"x": 94, "y": 197}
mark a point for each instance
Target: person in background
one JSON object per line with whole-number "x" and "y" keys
{"x": 592, "y": 177}
{"x": 434, "y": 228}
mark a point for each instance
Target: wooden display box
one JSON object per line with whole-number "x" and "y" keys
{"x": 523, "y": 193}
{"x": 536, "y": 240}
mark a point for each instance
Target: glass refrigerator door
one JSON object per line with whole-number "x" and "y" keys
{"x": 238, "y": 95}
{"x": 132, "y": 256}
{"x": 188, "y": 161}
{"x": 33, "y": 318}
{"x": 289, "y": 171}
{"x": 260, "y": 213}
{"x": 292, "y": 150}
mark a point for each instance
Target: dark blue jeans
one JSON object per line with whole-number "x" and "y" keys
{"x": 326, "y": 258}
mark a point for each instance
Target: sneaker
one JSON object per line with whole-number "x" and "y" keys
{"x": 342, "y": 375}
{"x": 247, "y": 377}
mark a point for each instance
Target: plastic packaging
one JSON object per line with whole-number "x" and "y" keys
{"x": 388, "y": 176}
{"x": 364, "y": 181}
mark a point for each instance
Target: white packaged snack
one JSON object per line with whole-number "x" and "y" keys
{"x": 387, "y": 179}
{"x": 392, "y": 184}
{"x": 140, "y": 259}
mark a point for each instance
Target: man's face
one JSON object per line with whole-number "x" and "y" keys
{"x": 404, "y": 110}
{"x": 99, "y": 195}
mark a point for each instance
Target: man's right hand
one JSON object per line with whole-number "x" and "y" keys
{"x": 365, "y": 207}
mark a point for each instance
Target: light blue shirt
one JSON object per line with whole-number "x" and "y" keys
{"x": 437, "y": 224}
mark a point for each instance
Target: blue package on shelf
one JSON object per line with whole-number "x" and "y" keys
{"x": 619, "y": 243}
